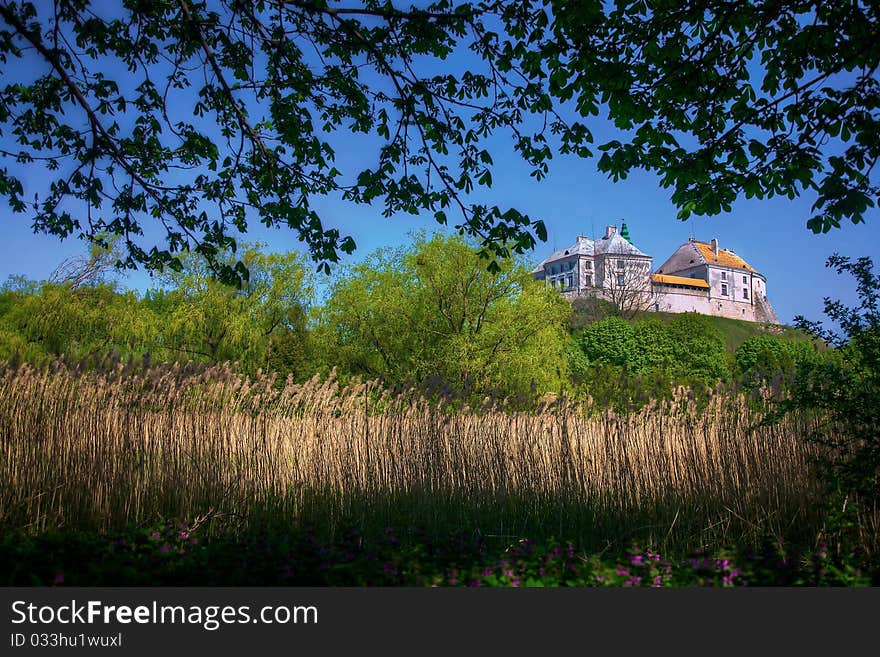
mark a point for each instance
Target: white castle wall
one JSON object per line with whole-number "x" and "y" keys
{"x": 683, "y": 300}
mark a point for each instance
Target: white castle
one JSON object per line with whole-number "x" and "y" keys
{"x": 699, "y": 277}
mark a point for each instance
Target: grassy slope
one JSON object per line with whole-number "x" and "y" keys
{"x": 736, "y": 331}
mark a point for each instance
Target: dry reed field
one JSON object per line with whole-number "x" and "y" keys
{"x": 101, "y": 450}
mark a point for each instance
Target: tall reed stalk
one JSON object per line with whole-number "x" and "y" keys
{"x": 100, "y": 450}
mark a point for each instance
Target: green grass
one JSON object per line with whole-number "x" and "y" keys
{"x": 737, "y": 331}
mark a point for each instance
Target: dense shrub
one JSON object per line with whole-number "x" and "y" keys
{"x": 654, "y": 345}
{"x": 698, "y": 349}
{"x": 760, "y": 357}
{"x": 687, "y": 349}
{"x": 847, "y": 389}
{"x": 610, "y": 341}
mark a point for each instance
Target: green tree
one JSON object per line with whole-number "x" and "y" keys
{"x": 199, "y": 118}
{"x": 761, "y": 356}
{"x": 610, "y": 341}
{"x": 697, "y": 348}
{"x": 847, "y": 388}
{"x": 261, "y": 325}
{"x": 727, "y": 99}
{"x": 58, "y": 319}
{"x": 653, "y": 344}
{"x": 432, "y": 309}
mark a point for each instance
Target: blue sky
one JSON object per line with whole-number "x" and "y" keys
{"x": 573, "y": 200}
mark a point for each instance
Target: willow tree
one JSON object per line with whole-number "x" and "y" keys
{"x": 259, "y": 325}
{"x": 431, "y": 311}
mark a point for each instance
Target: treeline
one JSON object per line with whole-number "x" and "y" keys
{"x": 188, "y": 317}
{"x": 430, "y": 313}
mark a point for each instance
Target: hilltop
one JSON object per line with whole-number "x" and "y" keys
{"x": 737, "y": 331}
{"x": 734, "y": 331}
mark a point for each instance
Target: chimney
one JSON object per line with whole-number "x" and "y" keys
{"x": 609, "y": 231}
{"x": 715, "y": 247}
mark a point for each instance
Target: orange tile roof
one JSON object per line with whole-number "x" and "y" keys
{"x": 724, "y": 258}
{"x": 679, "y": 280}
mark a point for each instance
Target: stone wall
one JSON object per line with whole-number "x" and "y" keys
{"x": 682, "y": 300}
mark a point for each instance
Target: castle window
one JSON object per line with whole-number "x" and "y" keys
{"x": 745, "y": 293}
{"x": 621, "y": 264}
{"x": 589, "y": 280}
{"x": 745, "y": 280}
{"x": 724, "y": 276}
{"x": 571, "y": 281}
{"x": 620, "y": 281}
{"x": 724, "y": 289}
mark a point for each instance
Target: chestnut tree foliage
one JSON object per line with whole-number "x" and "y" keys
{"x": 174, "y": 124}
